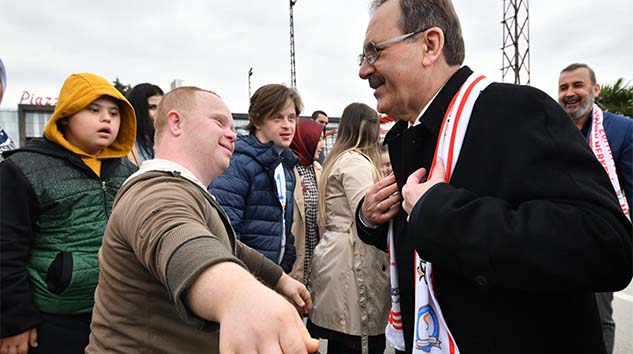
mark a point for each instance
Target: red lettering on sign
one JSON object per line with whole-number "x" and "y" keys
{"x": 32, "y": 98}
{"x": 25, "y": 96}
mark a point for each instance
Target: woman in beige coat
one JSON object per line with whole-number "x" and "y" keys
{"x": 349, "y": 280}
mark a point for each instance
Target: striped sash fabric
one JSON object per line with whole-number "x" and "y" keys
{"x": 600, "y": 147}
{"x": 431, "y": 334}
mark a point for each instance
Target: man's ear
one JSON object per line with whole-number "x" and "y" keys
{"x": 174, "y": 123}
{"x": 596, "y": 90}
{"x": 433, "y": 45}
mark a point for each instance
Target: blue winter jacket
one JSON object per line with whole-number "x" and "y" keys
{"x": 248, "y": 193}
{"x": 619, "y": 131}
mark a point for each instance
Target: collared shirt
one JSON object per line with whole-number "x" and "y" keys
{"x": 166, "y": 166}
{"x": 419, "y": 118}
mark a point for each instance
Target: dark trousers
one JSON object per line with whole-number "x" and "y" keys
{"x": 67, "y": 334}
{"x": 605, "y": 308}
{"x": 341, "y": 343}
{"x": 339, "y": 347}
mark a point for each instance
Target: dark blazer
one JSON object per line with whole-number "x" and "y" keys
{"x": 619, "y": 131}
{"x": 527, "y": 230}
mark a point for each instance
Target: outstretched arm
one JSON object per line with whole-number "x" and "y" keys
{"x": 252, "y": 317}
{"x": 272, "y": 275}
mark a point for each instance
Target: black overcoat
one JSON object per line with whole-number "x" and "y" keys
{"x": 527, "y": 230}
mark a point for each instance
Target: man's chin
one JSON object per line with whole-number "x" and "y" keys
{"x": 383, "y": 107}
{"x": 579, "y": 113}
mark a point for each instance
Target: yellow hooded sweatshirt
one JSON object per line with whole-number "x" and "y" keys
{"x": 79, "y": 91}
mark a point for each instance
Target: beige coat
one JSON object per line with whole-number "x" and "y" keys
{"x": 299, "y": 223}
{"x": 349, "y": 280}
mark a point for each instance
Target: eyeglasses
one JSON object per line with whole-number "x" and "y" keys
{"x": 372, "y": 49}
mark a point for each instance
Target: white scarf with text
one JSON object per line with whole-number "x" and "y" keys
{"x": 601, "y": 148}
{"x": 431, "y": 334}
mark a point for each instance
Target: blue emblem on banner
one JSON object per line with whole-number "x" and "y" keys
{"x": 428, "y": 332}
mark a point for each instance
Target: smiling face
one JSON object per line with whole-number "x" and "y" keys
{"x": 209, "y": 129}
{"x": 396, "y": 75}
{"x": 95, "y": 127}
{"x": 576, "y": 93}
{"x": 278, "y": 127}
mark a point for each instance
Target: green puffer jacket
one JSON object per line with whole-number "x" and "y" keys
{"x": 74, "y": 206}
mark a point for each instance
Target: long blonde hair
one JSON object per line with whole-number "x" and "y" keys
{"x": 358, "y": 130}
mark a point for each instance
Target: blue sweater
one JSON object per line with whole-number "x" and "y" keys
{"x": 248, "y": 193}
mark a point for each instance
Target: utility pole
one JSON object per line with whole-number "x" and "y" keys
{"x": 293, "y": 72}
{"x": 516, "y": 41}
{"x": 250, "y": 73}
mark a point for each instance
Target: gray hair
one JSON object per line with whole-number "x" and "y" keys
{"x": 574, "y": 66}
{"x": 419, "y": 14}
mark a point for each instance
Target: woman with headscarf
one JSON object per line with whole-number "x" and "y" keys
{"x": 307, "y": 144}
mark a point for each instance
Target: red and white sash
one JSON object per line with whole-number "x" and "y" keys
{"x": 431, "y": 334}
{"x": 600, "y": 147}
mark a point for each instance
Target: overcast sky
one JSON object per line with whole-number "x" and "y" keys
{"x": 212, "y": 44}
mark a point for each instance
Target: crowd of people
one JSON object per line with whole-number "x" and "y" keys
{"x": 483, "y": 222}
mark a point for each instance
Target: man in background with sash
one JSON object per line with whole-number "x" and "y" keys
{"x": 501, "y": 249}
{"x": 610, "y": 137}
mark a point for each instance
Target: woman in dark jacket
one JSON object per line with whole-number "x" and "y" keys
{"x": 256, "y": 190}
{"x": 144, "y": 98}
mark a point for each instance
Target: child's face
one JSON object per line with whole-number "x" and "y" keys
{"x": 95, "y": 127}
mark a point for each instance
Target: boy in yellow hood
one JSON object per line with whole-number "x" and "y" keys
{"x": 57, "y": 195}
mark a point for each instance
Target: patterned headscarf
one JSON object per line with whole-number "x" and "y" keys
{"x": 306, "y": 139}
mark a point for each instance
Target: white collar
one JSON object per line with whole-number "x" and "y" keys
{"x": 166, "y": 166}
{"x": 419, "y": 118}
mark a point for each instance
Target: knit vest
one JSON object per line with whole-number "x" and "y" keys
{"x": 74, "y": 206}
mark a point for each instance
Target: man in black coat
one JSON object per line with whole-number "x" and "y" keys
{"x": 529, "y": 226}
